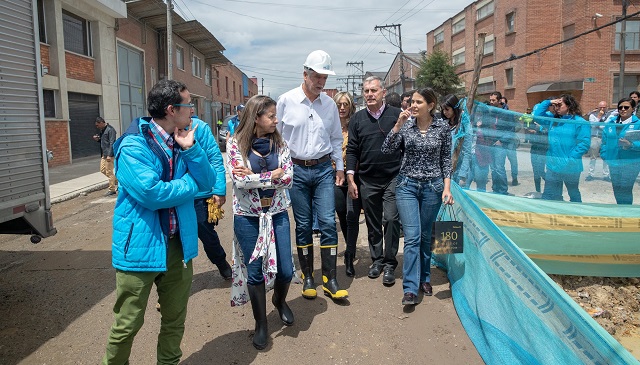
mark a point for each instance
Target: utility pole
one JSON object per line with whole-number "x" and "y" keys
{"x": 399, "y": 45}
{"x": 623, "y": 47}
{"x": 169, "y": 42}
{"x": 357, "y": 75}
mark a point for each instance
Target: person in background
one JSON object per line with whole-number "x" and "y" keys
{"x": 635, "y": 96}
{"x": 423, "y": 185}
{"x": 598, "y": 115}
{"x": 260, "y": 167}
{"x": 537, "y": 136}
{"x": 568, "y": 141}
{"x": 377, "y": 171}
{"x": 406, "y": 100}
{"x": 461, "y": 135}
{"x": 504, "y": 102}
{"x": 621, "y": 149}
{"x": 235, "y": 121}
{"x": 347, "y": 209}
{"x": 310, "y": 124}
{"x": 106, "y": 138}
{"x": 206, "y": 231}
{"x": 160, "y": 168}
{"x": 481, "y": 157}
{"x": 500, "y": 133}
{"x": 393, "y": 99}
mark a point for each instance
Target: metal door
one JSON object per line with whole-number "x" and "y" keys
{"x": 83, "y": 111}
{"x": 131, "y": 85}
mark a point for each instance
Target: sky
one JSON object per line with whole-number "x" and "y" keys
{"x": 271, "y": 39}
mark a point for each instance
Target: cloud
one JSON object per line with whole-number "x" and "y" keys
{"x": 271, "y": 39}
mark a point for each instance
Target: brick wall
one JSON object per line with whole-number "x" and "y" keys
{"x": 44, "y": 55}
{"x": 58, "y": 141}
{"x": 80, "y": 67}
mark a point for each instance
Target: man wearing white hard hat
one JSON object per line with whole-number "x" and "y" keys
{"x": 310, "y": 124}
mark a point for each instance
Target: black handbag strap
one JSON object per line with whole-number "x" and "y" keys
{"x": 447, "y": 208}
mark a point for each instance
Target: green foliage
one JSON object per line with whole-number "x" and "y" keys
{"x": 437, "y": 72}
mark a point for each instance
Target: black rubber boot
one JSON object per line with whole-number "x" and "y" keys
{"x": 348, "y": 264}
{"x": 305, "y": 257}
{"x": 280, "y": 291}
{"x": 259, "y": 306}
{"x": 329, "y": 282}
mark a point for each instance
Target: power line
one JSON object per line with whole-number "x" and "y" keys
{"x": 531, "y": 53}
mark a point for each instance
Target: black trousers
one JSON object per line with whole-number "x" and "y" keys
{"x": 381, "y": 215}
{"x": 348, "y": 211}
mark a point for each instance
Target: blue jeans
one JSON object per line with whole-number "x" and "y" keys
{"x": 208, "y": 235}
{"x": 553, "y": 185}
{"x": 480, "y": 175}
{"x": 538, "y": 162}
{"x": 498, "y": 171}
{"x": 246, "y": 231}
{"x": 313, "y": 188}
{"x": 622, "y": 179}
{"x": 413, "y": 196}
{"x": 512, "y": 156}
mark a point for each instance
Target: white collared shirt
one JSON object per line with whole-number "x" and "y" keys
{"x": 311, "y": 129}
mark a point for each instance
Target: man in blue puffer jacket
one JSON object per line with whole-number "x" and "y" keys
{"x": 206, "y": 231}
{"x": 160, "y": 168}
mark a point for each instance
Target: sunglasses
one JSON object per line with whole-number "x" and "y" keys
{"x": 346, "y": 105}
{"x": 624, "y": 107}
{"x": 263, "y": 164}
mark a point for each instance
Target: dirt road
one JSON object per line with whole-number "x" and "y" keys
{"x": 56, "y": 300}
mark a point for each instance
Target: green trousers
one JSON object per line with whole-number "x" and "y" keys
{"x": 132, "y": 295}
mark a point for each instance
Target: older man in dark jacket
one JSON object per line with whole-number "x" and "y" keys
{"x": 106, "y": 138}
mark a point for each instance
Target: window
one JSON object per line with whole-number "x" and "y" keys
{"x": 77, "y": 34}
{"x": 508, "y": 74}
{"x": 568, "y": 32}
{"x": 180, "y": 57}
{"x": 485, "y": 10}
{"x": 49, "y": 103}
{"x": 226, "y": 85}
{"x": 42, "y": 25}
{"x": 458, "y": 26}
{"x": 486, "y": 87}
{"x": 234, "y": 91}
{"x": 631, "y": 36}
{"x": 511, "y": 22}
{"x": 438, "y": 37}
{"x": 218, "y": 81}
{"x": 458, "y": 57}
{"x": 489, "y": 46}
{"x": 631, "y": 83}
{"x": 207, "y": 76}
{"x": 196, "y": 66}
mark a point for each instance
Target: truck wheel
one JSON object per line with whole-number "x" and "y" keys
{"x": 35, "y": 239}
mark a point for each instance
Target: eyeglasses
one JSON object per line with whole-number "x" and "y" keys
{"x": 187, "y": 105}
{"x": 263, "y": 164}
{"x": 346, "y": 105}
{"x": 624, "y": 107}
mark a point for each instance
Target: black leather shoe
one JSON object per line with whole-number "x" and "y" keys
{"x": 389, "y": 278}
{"x": 374, "y": 271}
{"x": 225, "y": 270}
{"x": 409, "y": 299}
{"x": 348, "y": 264}
{"x": 427, "y": 289}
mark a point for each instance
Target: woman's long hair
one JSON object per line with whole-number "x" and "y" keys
{"x": 346, "y": 94}
{"x": 246, "y": 132}
{"x": 452, "y": 102}
{"x": 573, "y": 108}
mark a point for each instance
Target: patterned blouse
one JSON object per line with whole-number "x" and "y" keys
{"x": 425, "y": 156}
{"x": 246, "y": 202}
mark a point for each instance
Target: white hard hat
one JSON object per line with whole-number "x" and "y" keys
{"x": 320, "y": 62}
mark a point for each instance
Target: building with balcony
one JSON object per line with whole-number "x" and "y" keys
{"x": 588, "y": 67}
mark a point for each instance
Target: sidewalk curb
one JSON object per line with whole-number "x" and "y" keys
{"x": 81, "y": 191}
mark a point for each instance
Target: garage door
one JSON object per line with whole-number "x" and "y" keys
{"x": 83, "y": 111}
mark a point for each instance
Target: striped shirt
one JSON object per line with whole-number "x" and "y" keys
{"x": 166, "y": 142}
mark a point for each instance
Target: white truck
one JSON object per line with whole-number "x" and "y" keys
{"x": 25, "y": 206}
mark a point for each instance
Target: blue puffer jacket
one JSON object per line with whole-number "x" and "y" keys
{"x": 207, "y": 142}
{"x": 610, "y": 151}
{"x": 568, "y": 140}
{"x": 140, "y": 218}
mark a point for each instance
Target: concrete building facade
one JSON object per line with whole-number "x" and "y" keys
{"x": 587, "y": 67}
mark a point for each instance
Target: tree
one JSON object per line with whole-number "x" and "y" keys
{"x": 437, "y": 71}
